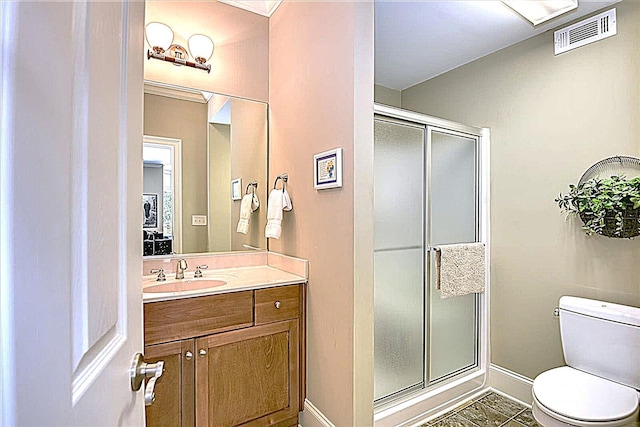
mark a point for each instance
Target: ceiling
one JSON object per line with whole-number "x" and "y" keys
{"x": 418, "y": 40}
{"x": 261, "y": 7}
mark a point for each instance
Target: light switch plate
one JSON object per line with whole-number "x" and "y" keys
{"x": 198, "y": 220}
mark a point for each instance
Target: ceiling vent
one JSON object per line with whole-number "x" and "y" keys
{"x": 584, "y": 32}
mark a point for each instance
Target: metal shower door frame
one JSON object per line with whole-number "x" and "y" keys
{"x": 430, "y": 125}
{"x": 454, "y": 129}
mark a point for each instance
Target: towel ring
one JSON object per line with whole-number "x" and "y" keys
{"x": 284, "y": 177}
{"x": 253, "y": 185}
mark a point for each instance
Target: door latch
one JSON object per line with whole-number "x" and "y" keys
{"x": 141, "y": 370}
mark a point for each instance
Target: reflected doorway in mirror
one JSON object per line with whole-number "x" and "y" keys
{"x": 162, "y": 160}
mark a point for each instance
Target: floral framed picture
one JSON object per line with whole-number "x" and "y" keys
{"x": 149, "y": 210}
{"x": 327, "y": 169}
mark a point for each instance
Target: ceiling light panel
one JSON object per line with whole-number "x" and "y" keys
{"x": 538, "y": 12}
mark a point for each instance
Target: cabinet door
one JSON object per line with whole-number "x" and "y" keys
{"x": 174, "y": 404}
{"x": 248, "y": 377}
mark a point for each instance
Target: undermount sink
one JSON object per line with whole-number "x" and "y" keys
{"x": 184, "y": 285}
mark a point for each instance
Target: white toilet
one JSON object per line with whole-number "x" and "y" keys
{"x": 599, "y": 387}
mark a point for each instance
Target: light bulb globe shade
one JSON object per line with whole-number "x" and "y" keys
{"x": 201, "y": 47}
{"x": 159, "y": 35}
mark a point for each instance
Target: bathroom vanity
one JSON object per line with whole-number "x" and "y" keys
{"x": 234, "y": 353}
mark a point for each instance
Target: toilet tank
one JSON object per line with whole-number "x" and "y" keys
{"x": 601, "y": 338}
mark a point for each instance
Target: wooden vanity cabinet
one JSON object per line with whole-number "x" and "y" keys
{"x": 250, "y": 373}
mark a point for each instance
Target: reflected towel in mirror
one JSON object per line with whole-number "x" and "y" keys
{"x": 245, "y": 213}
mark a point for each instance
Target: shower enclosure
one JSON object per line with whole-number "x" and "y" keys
{"x": 427, "y": 176}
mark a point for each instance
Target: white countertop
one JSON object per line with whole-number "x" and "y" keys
{"x": 237, "y": 279}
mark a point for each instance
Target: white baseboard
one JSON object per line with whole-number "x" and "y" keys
{"x": 510, "y": 383}
{"x": 412, "y": 410}
{"x": 499, "y": 379}
{"x": 312, "y": 417}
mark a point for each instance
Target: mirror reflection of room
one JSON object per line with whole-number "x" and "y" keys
{"x": 195, "y": 145}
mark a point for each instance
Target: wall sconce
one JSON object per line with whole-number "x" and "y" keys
{"x": 160, "y": 38}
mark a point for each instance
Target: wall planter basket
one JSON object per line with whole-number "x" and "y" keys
{"x": 630, "y": 222}
{"x": 607, "y": 198}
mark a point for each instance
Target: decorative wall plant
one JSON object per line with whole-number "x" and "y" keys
{"x": 606, "y": 206}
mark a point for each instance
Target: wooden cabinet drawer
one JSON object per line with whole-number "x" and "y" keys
{"x": 275, "y": 304}
{"x": 191, "y": 317}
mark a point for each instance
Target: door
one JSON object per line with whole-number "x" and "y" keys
{"x": 399, "y": 187}
{"x": 175, "y": 402}
{"x": 248, "y": 377}
{"x": 70, "y": 185}
{"x": 453, "y": 326}
{"x": 426, "y": 193}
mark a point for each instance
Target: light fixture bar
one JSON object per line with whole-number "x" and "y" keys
{"x": 539, "y": 11}
{"x": 160, "y": 39}
{"x": 163, "y": 57}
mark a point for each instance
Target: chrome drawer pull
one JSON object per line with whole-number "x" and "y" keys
{"x": 277, "y": 304}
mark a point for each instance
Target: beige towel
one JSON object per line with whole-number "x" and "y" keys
{"x": 245, "y": 213}
{"x": 460, "y": 269}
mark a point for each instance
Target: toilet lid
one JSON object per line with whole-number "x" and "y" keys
{"x": 581, "y": 396}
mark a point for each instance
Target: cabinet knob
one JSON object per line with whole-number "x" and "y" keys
{"x": 202, "y": 352}
{"x": 188, "y": 355}
{"x": 277, "y": 304}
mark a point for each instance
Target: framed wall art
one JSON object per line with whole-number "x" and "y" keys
{"x": 149, "y": 210}
{"x": 327, "y": 169}
{"x": 236, "y": 189}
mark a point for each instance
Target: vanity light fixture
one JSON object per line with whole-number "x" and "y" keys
{"x": 538, "y": 12}
{"x": 160, "y": 38}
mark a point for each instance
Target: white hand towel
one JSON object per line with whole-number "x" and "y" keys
{"x": 275, "y": 205}
{"x": 286, "y": 200}
{"x": 255, "y": 203}
{"x": 245, "y": 214}
{"x": 460, "y": 269}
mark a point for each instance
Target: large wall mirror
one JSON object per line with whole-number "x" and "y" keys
{"x": 202, "y": 153}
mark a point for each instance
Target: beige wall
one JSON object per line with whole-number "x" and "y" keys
{"x": 240, "y": 61}
{"x": 249, "y": 162}
{"x": 321, "y": 93}
{"x": 550, "y": 119}
{"x": 187, "y": 121}
{"x": 384, "y": 95}
{"x": 220, "y": 226}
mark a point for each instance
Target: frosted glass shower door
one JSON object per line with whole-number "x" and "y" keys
{"x": 453, "y": 218}
{"x": 399, "y": 331}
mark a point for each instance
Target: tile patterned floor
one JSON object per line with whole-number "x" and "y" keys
{"x": 488, "y": 410}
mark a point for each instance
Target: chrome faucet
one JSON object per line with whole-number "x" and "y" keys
{"x": 180, "y": 268}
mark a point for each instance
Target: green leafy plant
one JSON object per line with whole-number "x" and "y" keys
{"x": 609, "y": 206}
